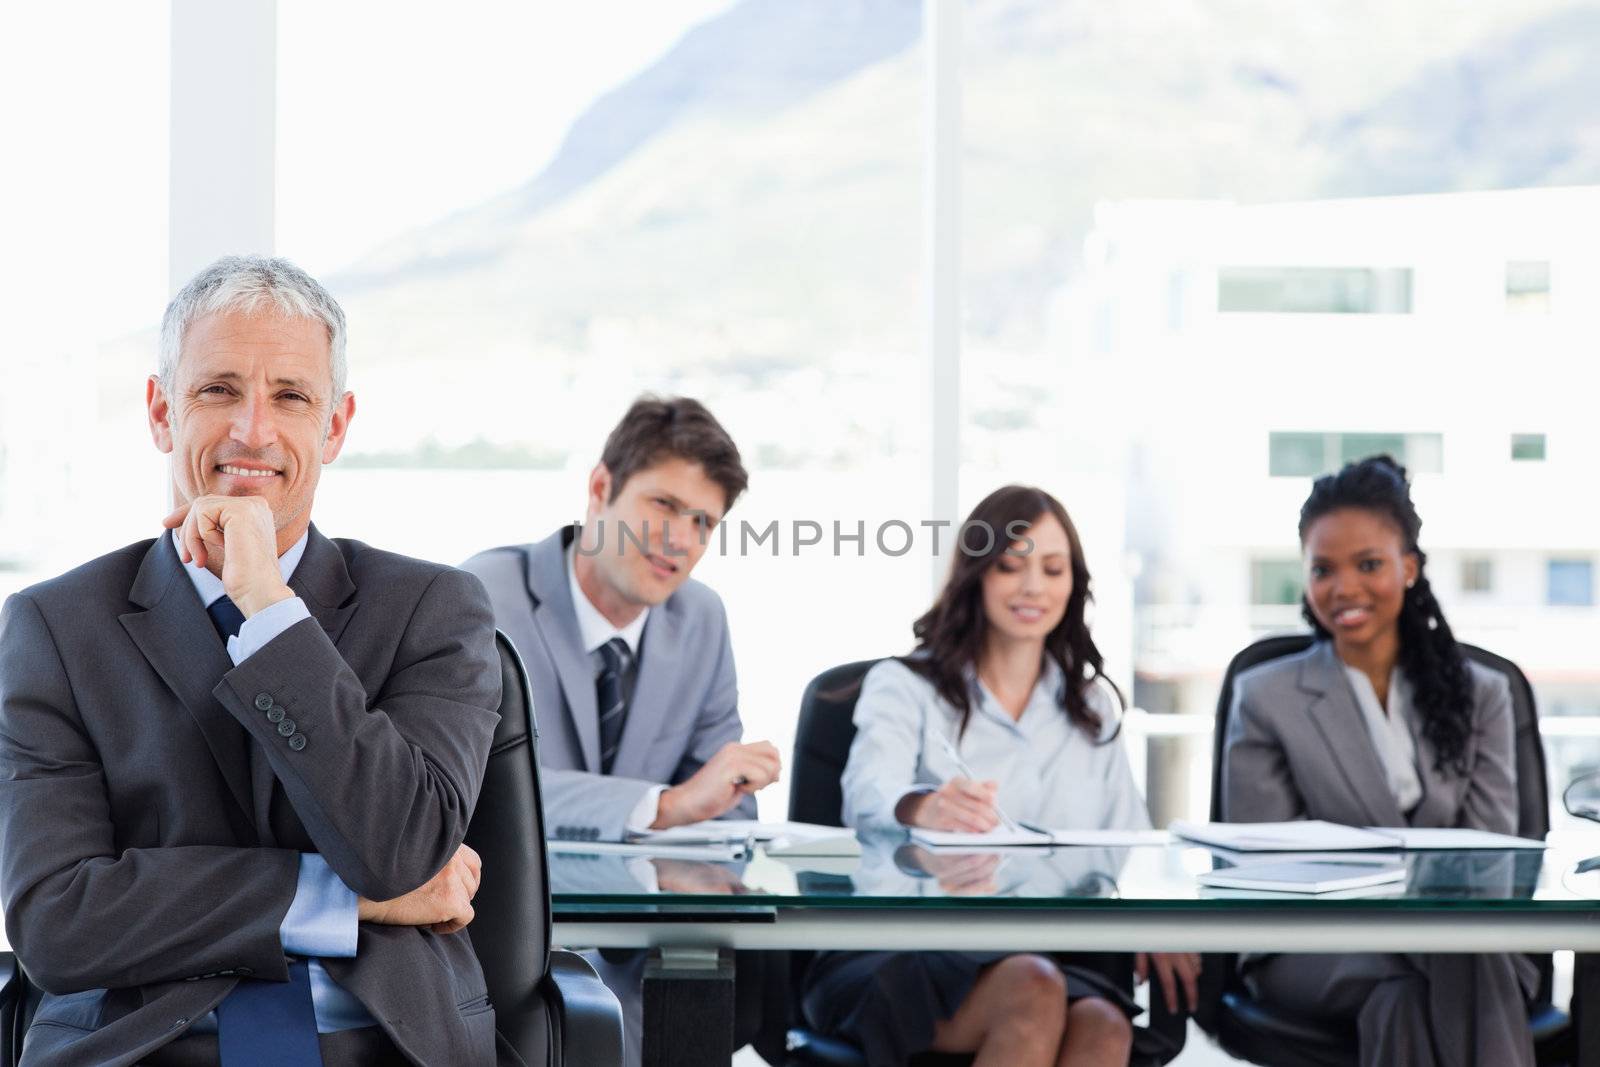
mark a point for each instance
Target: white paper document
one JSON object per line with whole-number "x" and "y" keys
{"x": 780, "y": 838}
{"x": 1421, "y": 838}
{"x": 715, "y": 852}
{"x": 1027, "y": 837}
{"x": 1302, "y": 877}
{"x": 1303, "y": 835}
{"x": 1313, "y": 835}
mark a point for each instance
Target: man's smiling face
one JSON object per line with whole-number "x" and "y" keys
{"x": 250, "y": 412}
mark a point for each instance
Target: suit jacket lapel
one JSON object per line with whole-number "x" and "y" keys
{"x": 660, "y": 662}
{"x": 556, "y": 623}
{"x": 323, "y": 581}
{"x": 1337, "y": 717}
{"x": 177, "y": 637}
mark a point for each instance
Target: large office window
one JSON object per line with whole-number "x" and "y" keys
{"x": 713, "y": 199}
{"x": 83, "y": 207}
{"x": 1183, "y": 229}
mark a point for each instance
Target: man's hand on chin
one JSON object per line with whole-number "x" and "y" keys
{"x": 239, "y": 532}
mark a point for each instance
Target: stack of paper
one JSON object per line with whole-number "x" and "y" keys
{"x": 1036, "y": 837}
{"x": 1313, "y": 835}
{"x": 1303, "y": 877}
{"x": 1304, "y": 835}
{"x": 779, "y": 838}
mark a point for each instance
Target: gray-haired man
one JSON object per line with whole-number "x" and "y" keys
{"x": 237, "y": 761}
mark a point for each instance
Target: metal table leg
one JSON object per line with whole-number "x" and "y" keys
{"x": 688, "y": 1007}
{"x": 1586, "y": 1010}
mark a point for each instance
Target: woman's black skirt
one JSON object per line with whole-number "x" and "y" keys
{"x": 887, "y": 1003}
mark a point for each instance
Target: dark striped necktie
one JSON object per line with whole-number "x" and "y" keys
{"x": 611, "y": 698}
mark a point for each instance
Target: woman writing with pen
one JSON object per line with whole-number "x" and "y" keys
{"x": 1001, "y": 713}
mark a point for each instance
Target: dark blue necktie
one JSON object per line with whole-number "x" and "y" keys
{"x": 269, "y": 1024}
{"x": 611, "y": 699}
{"x": 265, "y": 1024}
{"x": 225, "y": 617}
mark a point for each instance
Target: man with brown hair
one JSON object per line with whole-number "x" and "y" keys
{"x": 629, "y": 659}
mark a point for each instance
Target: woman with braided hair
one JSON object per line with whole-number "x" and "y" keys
{"x": 1383, "y": 721}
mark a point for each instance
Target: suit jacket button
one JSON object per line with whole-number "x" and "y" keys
{"x": 297, "y": 742}
{"x": 276, "y": 714}
{"x": 286, "y": 728}
{"x": 263, "y": 701}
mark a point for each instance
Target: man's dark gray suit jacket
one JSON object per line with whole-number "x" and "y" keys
{"x": 152, "y": 815}
{"x": 685, "y": 702}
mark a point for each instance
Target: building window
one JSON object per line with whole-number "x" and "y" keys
{"x": 1275, "y": 581}
{"x": 1527, "y": 446}
{"x": 1570, "y": 582}
{"x": 1528, "y": 287}
{"x": 1316, "y": 290}
{"x": 1477, "y": 575}
{"x": 1307, "y": 455}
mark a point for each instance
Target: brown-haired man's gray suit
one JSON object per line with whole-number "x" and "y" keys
{"x": 152, "y": 809}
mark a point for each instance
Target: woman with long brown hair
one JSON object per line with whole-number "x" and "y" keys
{"x": 1005, "y": 680}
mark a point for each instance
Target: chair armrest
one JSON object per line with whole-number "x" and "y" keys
{"x": 587, "y": 1015}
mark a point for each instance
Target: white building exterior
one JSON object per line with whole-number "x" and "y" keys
{"x": 1471, "y": 331}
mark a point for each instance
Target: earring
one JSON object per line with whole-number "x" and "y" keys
{"x": 1412, "y": 584}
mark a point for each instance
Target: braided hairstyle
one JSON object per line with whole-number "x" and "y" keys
{"x": 1429, "y": 655}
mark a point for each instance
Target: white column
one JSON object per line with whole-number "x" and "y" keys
{"x": 941, "y": 27}
{"x": 224, "y": 88}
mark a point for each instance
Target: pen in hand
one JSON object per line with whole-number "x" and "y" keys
{"x": 961, "y": 765}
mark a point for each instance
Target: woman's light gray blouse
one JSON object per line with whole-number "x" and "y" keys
{"x": 1051, "y": 773}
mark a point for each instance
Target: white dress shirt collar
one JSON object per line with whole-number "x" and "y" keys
{"x": 594, "y": 629}
{"x": 1390, "y": 732}
{"x": 210, "y": 587}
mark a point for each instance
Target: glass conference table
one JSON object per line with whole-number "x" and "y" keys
{"x": 900, "y": 896}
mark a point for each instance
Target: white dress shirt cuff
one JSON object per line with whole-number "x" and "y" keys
{"x": 264, "y": 625}
{"x": 643, "y": 815}
{"x": 321, "y": 920}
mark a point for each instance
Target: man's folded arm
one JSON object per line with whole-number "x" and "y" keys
{"x": 384, "y": 786}
{"x": 158, "y": 914}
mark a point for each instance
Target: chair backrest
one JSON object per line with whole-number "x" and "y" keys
{"x": 1533, "y": 789}
{"x": 511, "y": 927}
{"x": 822, "y": 743}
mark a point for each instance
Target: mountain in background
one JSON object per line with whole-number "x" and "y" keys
{"x": 743, "y": 218}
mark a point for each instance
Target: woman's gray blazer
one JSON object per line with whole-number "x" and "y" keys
{"x": 1298, "y": 748}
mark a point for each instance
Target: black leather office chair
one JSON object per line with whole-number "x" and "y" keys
{"x": 1250, "y": 1030}
{"x": 550, "y": 1005}
{"x": 821, "y": 749}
